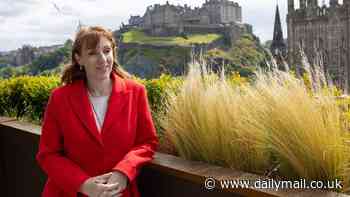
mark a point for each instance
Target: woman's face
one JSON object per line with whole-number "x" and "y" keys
{"x": 97, "y": 62}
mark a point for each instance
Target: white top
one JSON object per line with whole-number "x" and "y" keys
{"x": 99, "y": 106}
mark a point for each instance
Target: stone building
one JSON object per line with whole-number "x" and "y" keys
{"x": 223, "y": 11}
{"x": 135, "y": 20}
{"x": 26, "y": 54}
{"x": 214, "y": 16}
{"x": 212, "y": 12}
{"x": 323, "y": 34}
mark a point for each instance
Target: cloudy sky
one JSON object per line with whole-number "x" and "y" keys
{"x": 48, "y": 22}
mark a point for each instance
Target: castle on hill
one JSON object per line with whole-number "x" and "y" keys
{"x": 214, "y": 16}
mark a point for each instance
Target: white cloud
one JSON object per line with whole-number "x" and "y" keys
{"x": 11, "y": 8}
{"x": 46, "y": 22}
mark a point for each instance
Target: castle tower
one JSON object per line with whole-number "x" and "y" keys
{"x": 290, "y": 5}
{"x": 278, "y": 47}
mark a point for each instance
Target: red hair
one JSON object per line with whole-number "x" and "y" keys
{"x": 88, "y": 38}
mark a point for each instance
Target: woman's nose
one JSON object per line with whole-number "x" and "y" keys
{"x": 102, "y": 58}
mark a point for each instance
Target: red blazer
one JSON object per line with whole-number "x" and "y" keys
{"x": 71, "y": 148}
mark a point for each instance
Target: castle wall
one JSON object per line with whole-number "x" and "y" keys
{"x": 212, "y": 12}
{"x": 215, "y": 16}
{"x": 230, "y": 13}
{"x": 161, "y": 15}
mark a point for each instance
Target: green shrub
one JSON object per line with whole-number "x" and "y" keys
{"x": 157, "y": 95}
{"x": 25, "y": 95}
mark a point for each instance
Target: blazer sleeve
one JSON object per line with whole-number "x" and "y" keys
{"x": 146, "y": 140}
{"x": 62, "y": 171}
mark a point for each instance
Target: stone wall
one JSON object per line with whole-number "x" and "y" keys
{"x": 159, "y": 18}
{"x": 323, "y": 34}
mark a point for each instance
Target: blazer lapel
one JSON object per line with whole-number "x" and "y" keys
{"x": 118, "y": 101}
{"x": 81, "y": 106}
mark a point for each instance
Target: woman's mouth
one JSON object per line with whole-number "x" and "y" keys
{"x": 104, "y": 68}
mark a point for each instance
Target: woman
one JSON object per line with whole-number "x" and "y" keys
{"x": 97, "y": 129}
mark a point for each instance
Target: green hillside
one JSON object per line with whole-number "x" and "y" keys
{"x": 149, "y": 56}
{"x": 137, "y": 36}
{"x": 147, "y": 61}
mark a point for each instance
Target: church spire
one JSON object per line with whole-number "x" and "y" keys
{"x": 278, "y": 47}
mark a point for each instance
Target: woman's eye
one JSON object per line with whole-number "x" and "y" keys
{"x": 91, "y": 53}
{"x": 107, "y": 51}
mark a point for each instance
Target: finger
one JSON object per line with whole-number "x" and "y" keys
{"x": 114, "y": 193}
{"x": 100, "y": 192}
{"x": 112, "y": 179}
{"x": 100, "y": 181}
{"x": 103, "y": 179}
{"x": 109, "y": 187}
{"x": 119, "y": 195}
{"x": 104, "y": 176}
{"x": 108, "y": 193}
{"x": 103, "y": 194}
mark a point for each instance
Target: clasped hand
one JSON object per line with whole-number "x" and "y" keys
{"x": 111, "y": 184}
